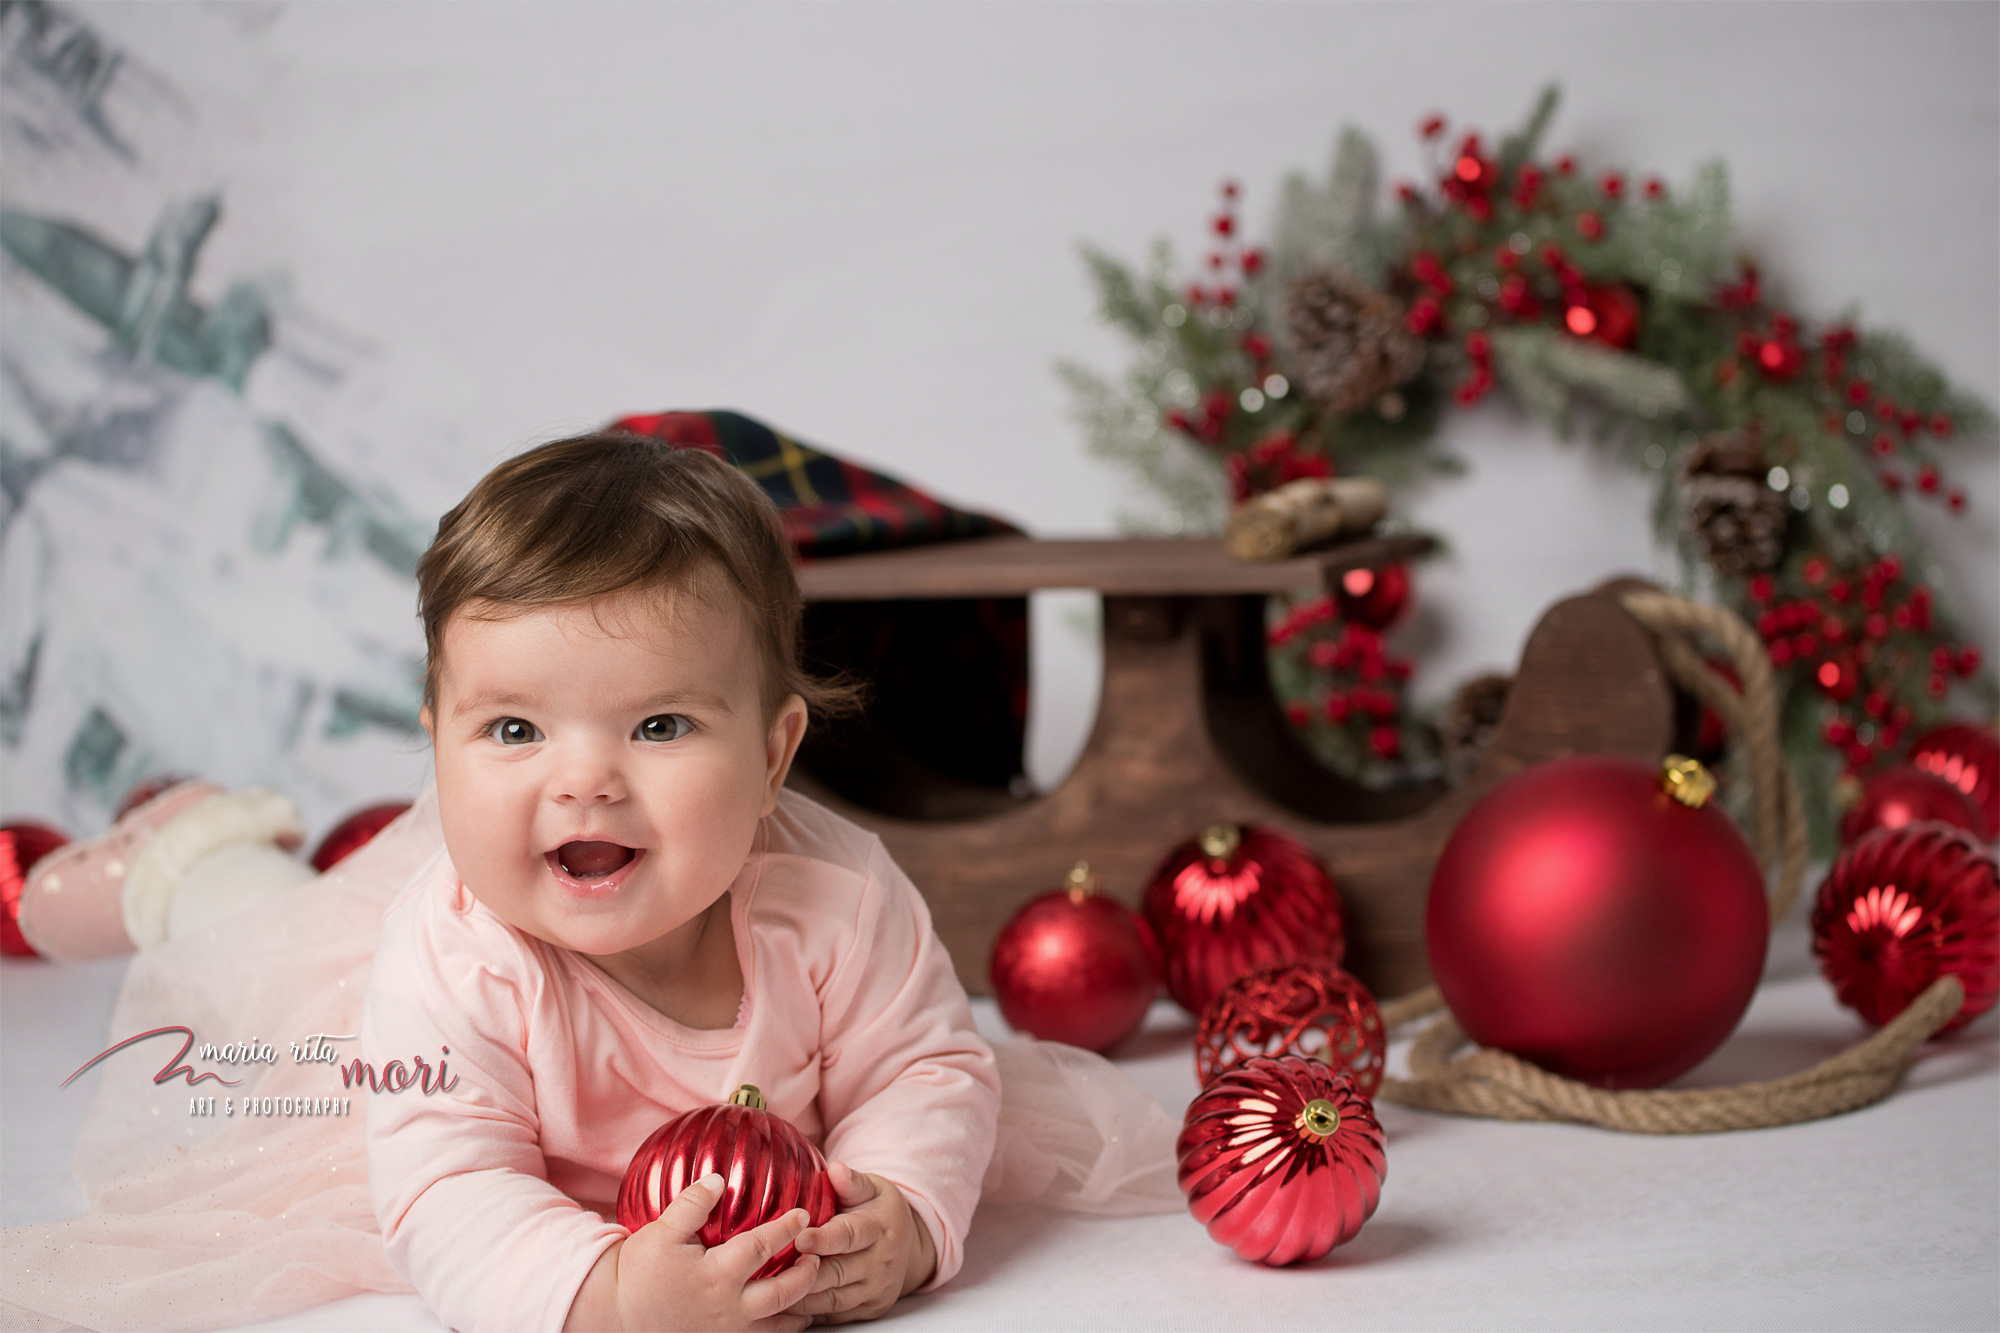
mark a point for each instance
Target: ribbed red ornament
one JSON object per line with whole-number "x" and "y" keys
{"x": 1281, "y": 1159}
{"x": 1903, "y": 907}
{"x": 1310, "y": 1009}
{"x": 1234, "y": 899}
{"x": 21, "y": 845}
{"x": 1968, "y": 757}
{"x": 1904, "y": 795}
{"x": 353, "y": 833}
{"x": 767, "y": 1167}
{"x": 1075, "y": 966}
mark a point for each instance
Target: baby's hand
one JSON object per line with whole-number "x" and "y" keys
{"x": 872, "y": 1252}
{"x": 660, "y": 1276}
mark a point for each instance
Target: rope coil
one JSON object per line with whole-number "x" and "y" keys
{"x": 1504, "y": 1087}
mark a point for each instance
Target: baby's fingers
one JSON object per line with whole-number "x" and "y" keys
{"x": 747, "y": 1251}
{"x": 844, "y": 1233}
{"x": 774, "y": 1295}
{"x": 681, "y": 1220}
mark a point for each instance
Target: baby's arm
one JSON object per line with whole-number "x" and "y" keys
{"x": 909, "y": 1093}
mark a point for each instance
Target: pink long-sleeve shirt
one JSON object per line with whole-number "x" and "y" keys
{"x": 494, "y": 1196}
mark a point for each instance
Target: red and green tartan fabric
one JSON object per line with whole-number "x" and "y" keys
{"x": 829, "y": 506}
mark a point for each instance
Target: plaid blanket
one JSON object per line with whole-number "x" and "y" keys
{"x": 946, "y": 722}
{"x": 829, "y": 505}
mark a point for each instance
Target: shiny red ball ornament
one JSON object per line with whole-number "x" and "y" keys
{"x": 1373, "y": 598}
{"x": 1903, "y": 907}
{"x": 767, "y": 1167}
{"x": 1968, "y": 757}
{"x": 353, "y": 833}
{"x": 1281, "y": 1159}
{"x": 21, "y": 845}
{"x": 1076, "y": 967}
{"x": 1904, "y": 795}
{"x": 1234, "y": 899}
{"x": 1310, "y": 1009}
{"x": 1597, "y": 916}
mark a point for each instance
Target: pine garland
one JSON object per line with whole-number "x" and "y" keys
{"x": 1590, "y": 299}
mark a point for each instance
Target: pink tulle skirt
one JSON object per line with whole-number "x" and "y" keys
{"x": 200, "y": 1221}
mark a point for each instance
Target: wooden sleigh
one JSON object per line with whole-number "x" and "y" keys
{"x": 1189, "y": 733}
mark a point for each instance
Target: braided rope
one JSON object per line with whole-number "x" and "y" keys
{"x": 1503, "y": 1087}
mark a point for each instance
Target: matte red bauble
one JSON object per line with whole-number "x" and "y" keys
{"x": 353, "y": 833}
{"x": 767, "y": 1167}
{"x": 1234, "y": 899}
{"x": 1373, "y": 598}
{"x": 1074, "y": 966}
{"x": 1967, "y": 757}
{"x": 1903, "y": 907}
{"x": 21, "y": 845}
{"x": 1281, "y": 1159}
{"x": 1584, "y": 918}
{"x": 1310, "y": 1009}
{"x": 1904, "y": 795}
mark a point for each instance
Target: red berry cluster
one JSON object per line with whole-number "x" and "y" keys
{"x": 1270, "y": 463}
{"x": 1363, "y": 683}
{"x": 1858, "y": 638}
{"x": 1228, "y": 258}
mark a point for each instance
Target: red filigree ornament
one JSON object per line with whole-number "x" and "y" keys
{"x": 1905, "y": 795}
{"x": 1076, "y": 967}
{"x": 353, "y": 833}
{"x": 1903, "y": 907}
{"x": 1311, "y": 1009}
{"x": 1374, "y": 598}
{"x": 1281, "y": 1159}
{"x": 1234, "y": 899}
{"x": 1968, "y": 757}
{"x": 1597, "y": 916}
{"x": 767, "y": 1167}
{"x": 21, "y": 846}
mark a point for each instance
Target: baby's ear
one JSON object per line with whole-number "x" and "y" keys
{"x": 781, "y": 745}
{"x": 424, "y": 717}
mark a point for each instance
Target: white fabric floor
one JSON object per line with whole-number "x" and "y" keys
{"x": 1888, "y": 1218}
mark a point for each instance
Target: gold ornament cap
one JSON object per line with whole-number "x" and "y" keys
{"x": 1080, "y": 882}
{"x": 1220, "y": 841}
{"x": 1686, "y": 780}
{"x": 1318, "y": 1120}
{"x": 747, "y": 1095}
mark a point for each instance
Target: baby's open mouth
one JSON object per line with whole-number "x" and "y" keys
{"x": 593, "y": 860}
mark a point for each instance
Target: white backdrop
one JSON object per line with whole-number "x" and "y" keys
{"x": 858, "y": 222}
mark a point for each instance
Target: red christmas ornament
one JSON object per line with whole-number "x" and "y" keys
{"x": 767, "y": 1167}
{"x": 1903, "y": 907}
{"x": 1076, "y": 967}
{"x": 146, "y": 790}
{"x": 1586, "y": 919}
{"x": 353, "y": 833}
{"x": 1375, "y": 598}
{"x": 1309, "y": 1009}
{"x": 1234, "y": 899}
{"x": 1281, "y": 1159}
{"x": 1904, "y": 795}
{"x": 1968, "y": 757}
{"x": 21, "y": 845}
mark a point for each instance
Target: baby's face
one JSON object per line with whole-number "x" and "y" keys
{"x": 601, "y": 768}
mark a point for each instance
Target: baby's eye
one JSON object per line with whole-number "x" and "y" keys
{"x": 514, "y": 731}
{"x": 664, "y": 727}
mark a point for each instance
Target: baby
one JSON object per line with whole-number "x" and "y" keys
{"x": 632, "y": 916}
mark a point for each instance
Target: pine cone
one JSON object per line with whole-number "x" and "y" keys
{"x": 1350, "y": 343}
{"x": 1469, "y": 721}
{"x": 1738, "y": 519}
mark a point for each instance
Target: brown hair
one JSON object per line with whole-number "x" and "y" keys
{"x": 583, "y": 518}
